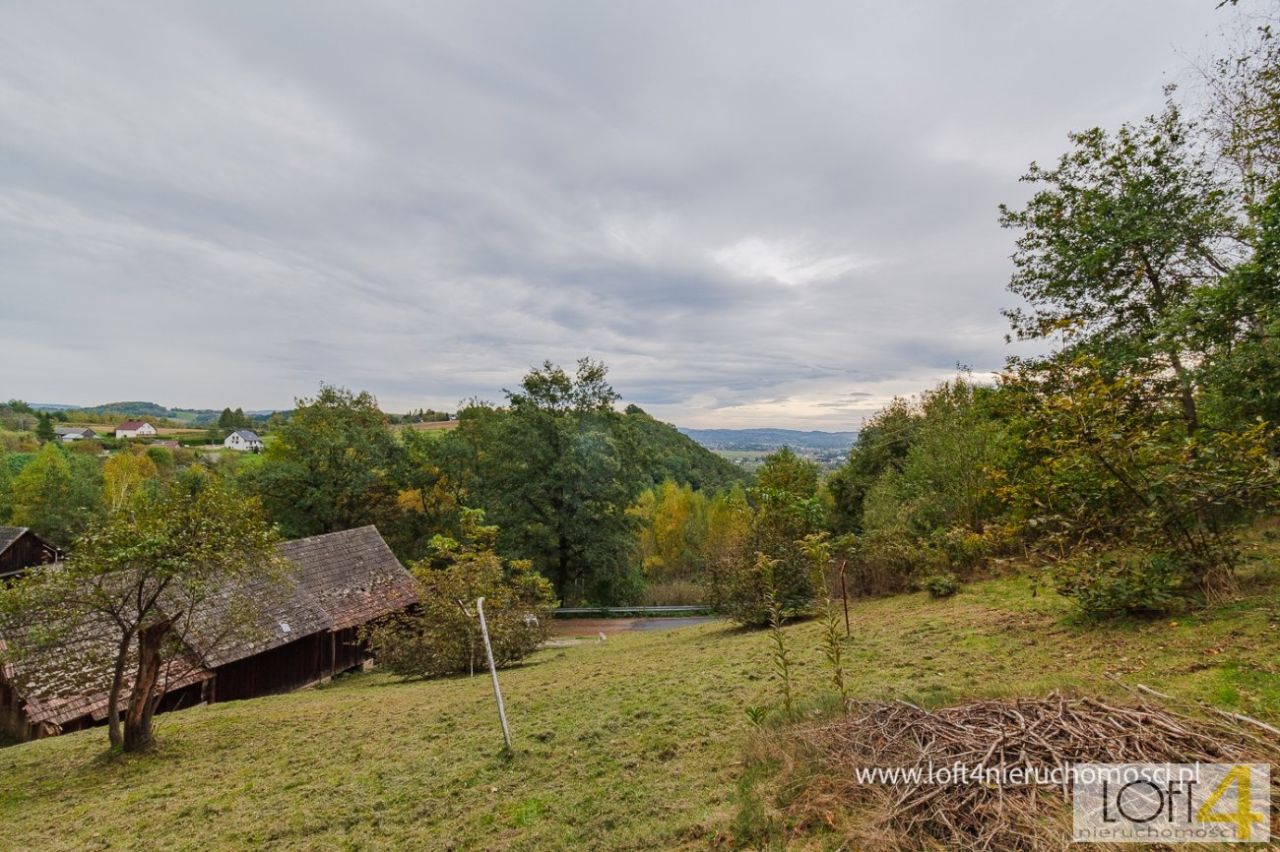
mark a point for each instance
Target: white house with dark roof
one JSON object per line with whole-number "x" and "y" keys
{"x": 135, "y": 429}
{"x": 244, "y": 440}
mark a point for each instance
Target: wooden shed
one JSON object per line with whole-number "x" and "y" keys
{"x": 21, "y": 549}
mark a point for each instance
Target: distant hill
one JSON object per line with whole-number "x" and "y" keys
{"x": 771, "y": 439}
{"x": 674, "y": 456}
{"x": 143, "y": 409}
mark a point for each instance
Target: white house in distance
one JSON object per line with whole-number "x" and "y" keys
{"x": 245, "y": 440}
{"x": 67, "y": 434}
{"x": 135, "y": 429}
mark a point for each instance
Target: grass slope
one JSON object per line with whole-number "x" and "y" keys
{"x": 631, "y": 743}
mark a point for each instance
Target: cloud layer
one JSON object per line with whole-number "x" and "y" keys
{"x": 755, "y": 213}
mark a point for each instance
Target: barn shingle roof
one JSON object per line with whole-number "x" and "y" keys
{"x": 73, "y": 680}
{"x": 8, "y": 535}
{"x": 353, "y": 575}
{"x": 339, "y": 580}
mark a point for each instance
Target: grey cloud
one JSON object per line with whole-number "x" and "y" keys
{"x": 757, "y": 214}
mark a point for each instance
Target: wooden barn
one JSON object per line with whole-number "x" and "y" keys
{"x": 343, "y": 581}
{"x": 307, "y": 633}
{"x": 21, "y": 549}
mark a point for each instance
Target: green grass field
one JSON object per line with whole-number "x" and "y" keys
{"x": 633, "y": 743}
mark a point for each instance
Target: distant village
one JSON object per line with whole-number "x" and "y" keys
{"x": 244, "y": 440}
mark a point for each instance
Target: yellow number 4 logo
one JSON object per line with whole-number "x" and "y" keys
{"x": 1243, "y": 818}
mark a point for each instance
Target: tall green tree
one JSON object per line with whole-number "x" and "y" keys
{"x": 557, "y": 471}
{"x": 881, "y": 447}
{"x": 332, "y": 466}
{"x": 44, "y": 428}
{"x": 1112, "y": 246}
{"x": 56, "y": 494}
{"x": 1237, "y": 325}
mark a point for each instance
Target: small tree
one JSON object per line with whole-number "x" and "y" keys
{"x": 191, "y": 554}
{"x": 784, "y": 509}
{"x": 122, "y": 474}
{"x": 818, "y": 548}
{"x": 444, "y": 636}
{"x": 56, "y": 494}
{"x": 44, "y": 428}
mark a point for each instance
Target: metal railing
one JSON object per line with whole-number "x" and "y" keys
{"x": 612, "y": 611}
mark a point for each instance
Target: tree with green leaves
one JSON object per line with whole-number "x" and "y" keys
{"x": 332, "y": 466}
{"x": 1121, "y": 233}
{"x": 44, "y": 428}
{"x": 443, "y": 636}
{"x": 1237, "y": 325}
{"x": 191, "y": 554}
{"x": 784, "y": 508}
{"x": 56, "y": 494}
{"x": 557, "y": 470}
{"x": 881, "y": 446}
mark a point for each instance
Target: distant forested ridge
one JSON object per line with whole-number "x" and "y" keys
{"x": 770, "y": 439}
{"x": 144, "y": 409}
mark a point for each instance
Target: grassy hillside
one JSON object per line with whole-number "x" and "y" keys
{"x": 635, "y": 742}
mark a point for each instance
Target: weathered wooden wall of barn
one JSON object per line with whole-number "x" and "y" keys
{"x": 278, "y": 670}
{"x": 27, "y": 551}
{"x": 309, "y": 660}
{"x": 13, "y": 722}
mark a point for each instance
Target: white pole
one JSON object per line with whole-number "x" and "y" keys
{"x": 493, "y": 670}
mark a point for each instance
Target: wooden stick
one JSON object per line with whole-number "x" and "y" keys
{"x": 493, "y": 670}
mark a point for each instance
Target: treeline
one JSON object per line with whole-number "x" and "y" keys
{"x": 1124, "y": 461}
{"x": 555, "y": 468}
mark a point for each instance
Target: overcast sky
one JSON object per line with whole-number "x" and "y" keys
{"x": 755, "y": 213}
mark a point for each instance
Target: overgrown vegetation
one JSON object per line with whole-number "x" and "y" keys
{"x": 637, "y": 742}
{"x": 443, "y": 635}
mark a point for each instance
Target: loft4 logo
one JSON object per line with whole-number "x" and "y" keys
{"x": 1171, "y": 803}
{"x": 1241, "y": 814}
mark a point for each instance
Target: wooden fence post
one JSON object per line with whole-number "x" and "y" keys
{"x": 493, "y": 670}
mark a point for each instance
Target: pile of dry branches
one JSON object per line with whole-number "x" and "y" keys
{"x": 1038, "y": 734}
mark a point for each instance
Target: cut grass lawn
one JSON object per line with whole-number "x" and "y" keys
{"x": 636, "y": 742}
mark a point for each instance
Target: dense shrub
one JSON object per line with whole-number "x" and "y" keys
{"x": 443, "y": 636}
{"x": 781, "y": 510}
{"x": 941, "y": 585}
{"x": 1122, "y": 581}
{"x": 1113, "y": 465}
{"x": 924, "y": 486}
